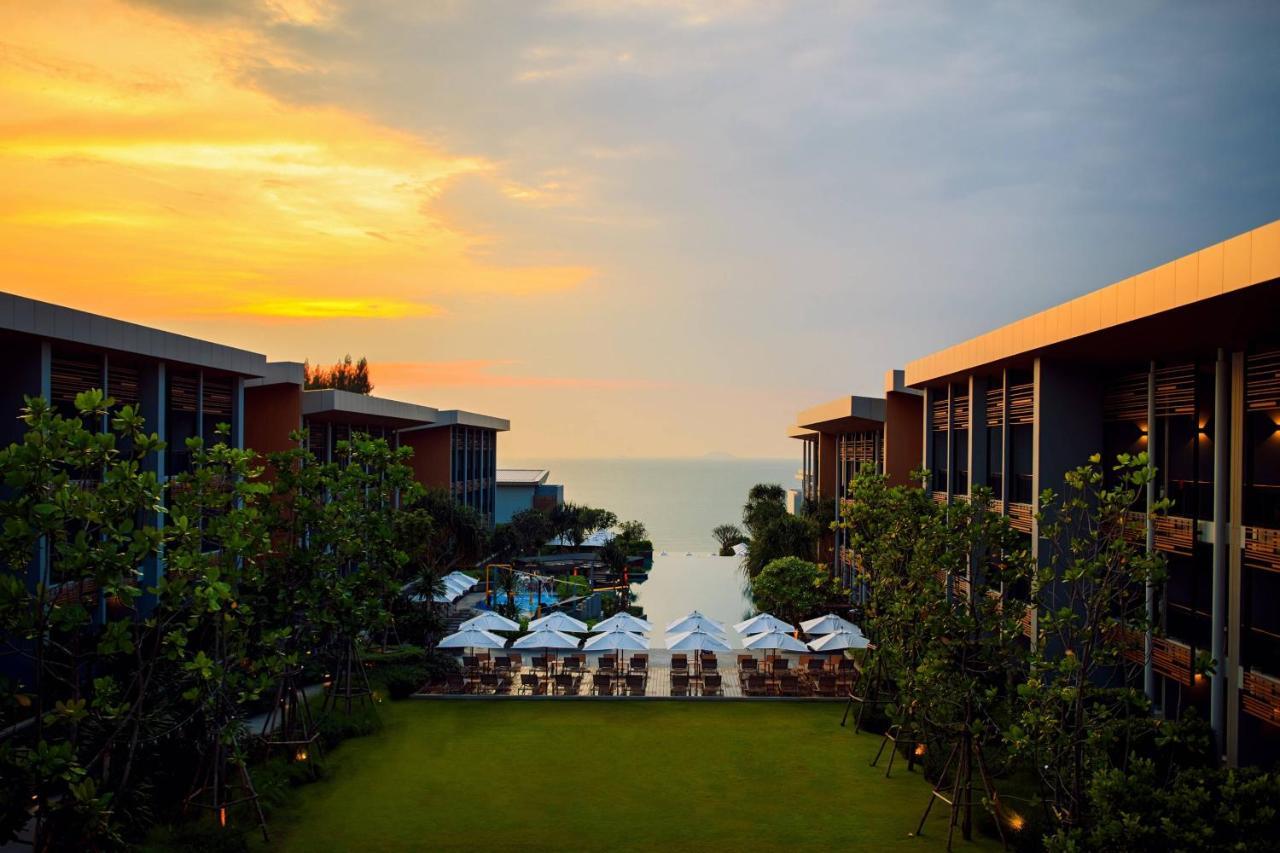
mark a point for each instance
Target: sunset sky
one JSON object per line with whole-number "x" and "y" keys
{"x": 649, "y": 228}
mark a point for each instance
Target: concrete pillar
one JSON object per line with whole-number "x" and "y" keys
{"x": 1148, "y": 671}
{"x": 926, "y": 419}
{"x": 978, "y": 463}
{"x": 1221, "y": 482}
{"x": 1235, "y": 570}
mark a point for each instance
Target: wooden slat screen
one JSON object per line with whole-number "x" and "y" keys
{"x": 217, "y": 397}
{"x": 1022, "y": 403}
{"x": 1176, "y": 390}
{"x": 70, "y": 376}
{"x": 1260, "y": 696}
{"x": 1020, "y": 516}
{"x": 995, "y": 407}
{"x": 1262, "y": 548}
{"x": 1174, "y": 535}
{"x": 960, "y": 411}
{"x": 1262, "y": 381}
{"x": 939, "y": 414}
{"x": 1172, "y": 660}
{"x": 860, "y": 447}
{"x": 124, "y": 384}
{"x": 184, "y": 392}
{"x": 1125, "y": 398}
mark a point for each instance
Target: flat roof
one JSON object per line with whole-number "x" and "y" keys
{"x": 1212, "y": 273}
{"x": 522, "y": 476}
{"x": 331, "y": 404}
{"x": 457, "y": 417}
{"x": 280, "y": 373}
{"x": 57, "y": 322}
{"x": 843, "y": 414}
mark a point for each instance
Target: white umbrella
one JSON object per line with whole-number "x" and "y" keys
{"x": 547, "y": 639}
{"x": 697, "y": 641}
{"x": 558, "y": 621}
{"x": 447, "y": 597}
{"x": 462, "y": 578}
{"x": 695, "y": 621}
{"x": 615, "y": 640}
{"x": 625, "y": 621}
{"x": 775, "y": 640}
{"x": 472, "y": 638}
{"x": 490, "y": 621}
{"x": 761, "y": 624}
{"x": 827, "y": 624}
{"x": 839, "y": 641}
{"x": 453, "y": 586}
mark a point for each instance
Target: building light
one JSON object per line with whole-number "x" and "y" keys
{"x": 920, "y": 749}
{"x": 1016, "y": 821}
{"x": 222, "y": 816}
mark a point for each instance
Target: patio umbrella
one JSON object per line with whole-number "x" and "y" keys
{"x": 762, "y": 624}
{"x": 454, "y": 586}
{"x": 472, "y": 638}
{"x": 558, "y": 621}
{"x": 695, "y": 621}
{"x": 697, "y": 641}
{"x": 546, "y": 639}
{"x": 616, "y": 640}
{"x": 626, "y": 622}
{"x": 490, "y": 621}
{"x": 462, "y": 578}
{"x": 775, "y": 641}
{"x": 838, "y": 641}
{"x": 826, "y": 624}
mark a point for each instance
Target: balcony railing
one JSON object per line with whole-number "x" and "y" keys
{"x": 1172, "y": 659}
{"x": 1262, "y": 548}
{"x": 1174, "y": 535}
{"x": 939, "y": 497}
{"x": 1260, "y": 696}
{"x": 1020, "y": 516}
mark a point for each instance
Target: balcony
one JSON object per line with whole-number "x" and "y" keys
{"x": 1174, "y": 535}
{"x": 1260, "y": 696}
{"x": 939, "y": 497}
{"x": 1172, "y": 659}
{"x": 1262, "y": 549}
{"x": 1021, "y": 516}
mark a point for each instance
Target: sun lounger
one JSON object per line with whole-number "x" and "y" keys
{"x": 566, "y": 684}
{"x": 679, "y": 684}
{"x": 789, "y": 685}
{"x": 826, "y": 685}
{"x": 755, "y": 685}
{"x": 639, "y": 663}
{"x": 711, "y": 685}
{"x": 531, "y": 683}
{"x": 602, "y": 684}
{"x": 635, "y": 685}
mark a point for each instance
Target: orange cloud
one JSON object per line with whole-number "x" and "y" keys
{"x": 140, "y": 175}
{"x": 479, "y": 373}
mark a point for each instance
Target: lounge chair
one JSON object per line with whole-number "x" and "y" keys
{"x": 711, "y": 685}
{"x": 488, "y": 682}
{"x": 679, "y": 684}
{"x": 789, "y": 685}
{"x": 566, "y": 684}
{"x": 679, "y": 663}
{"x": 756, "y": 685}
{"x": 531, "y": 683}
{"x": 815, "y": 665}
{"x": 826, "y": 685}
{"x": 517, "y": 662}
{"x": 454, "y": 683}
{"x": 608, "y": 662}
{"x": 602, "y": 684}
{"x": 639, "y": 663}
{"x": 635, "y": 685}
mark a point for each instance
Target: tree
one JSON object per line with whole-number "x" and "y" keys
{"x": 344, "y": 375}
{"x": 1081, "y": 712}
{"x": 766, "y": 503}
{"x": 727, "y": 536}
{"x": 785, "y": 536}
{"x": 790, "y": 588}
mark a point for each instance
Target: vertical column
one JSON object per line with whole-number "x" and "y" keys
{"x": 40, "y": 569}
{"x": 950, "y": 461}
{"x": 1006, "y": 444}
{"x": 1148, "y": 671}
{"x": 154, "y": 407}
{"x": 1221, "y": 481}
{"x": 237, "y": 412}
{"x": 1235, "y": 580}
{"x": 930, "y": 394}
{"x": 978, "y": 462}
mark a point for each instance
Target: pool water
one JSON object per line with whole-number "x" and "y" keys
{"x": 526, "y": 602}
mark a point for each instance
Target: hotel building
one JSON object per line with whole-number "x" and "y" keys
{"x": 1182, "y": 361}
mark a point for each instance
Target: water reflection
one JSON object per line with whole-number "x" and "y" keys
{"x": 678, "y": 584}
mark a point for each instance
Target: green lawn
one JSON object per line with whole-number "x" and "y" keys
{"x": 610, "y": 776}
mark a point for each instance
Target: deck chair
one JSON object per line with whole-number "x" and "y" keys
{"x": 565, "y": 685}
{"x": 679, "y": 663}
{"x": 639, "y": 663}
{"x": 679, "y": 684}
{"x": 826, "y": 685}
{"x": 711, "y": 686}
{"x": 530, "y": 683}
{"x": 602, "y": 684}
{"x": 756, "y": 685}
{"x": 789, "y": 685}
{"x": 635, "y": 685}
{"x": 454, "y": 683}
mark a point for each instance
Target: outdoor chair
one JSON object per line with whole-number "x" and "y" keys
{"x": 470, "y": 662}
{"x": 780, "y": 665}
{"x": 635, "y": 685}
{"x": 639, "y": 663}
{"x": 711, "y": 664}
{"x": 517, "y": 662}
{"x": 789, "y": 685}
{"x": 756, "y": 685}
{"x": 816, "y": 665}
{"x": 679, "y": 684}
{"x": 454, "y": 683}
{"x": 607, "y": 662}
{"x": 488, "y": 682}
{"x": 711, "y": 686}
{"x": 679, "y": 663}
{"x": 502, "y": 664}
{"x": 747, "y": 663}
{"x": 602, "y": 684}
{"x": 530, "y": 683}
{"x": 572, "y": 663}
{"x": 826, "y": 685}
{"x": 566, "y": 684}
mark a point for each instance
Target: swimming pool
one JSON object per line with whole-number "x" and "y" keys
{"x": 526, "y": 602}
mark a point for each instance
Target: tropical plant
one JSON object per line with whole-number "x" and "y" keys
{"x": 727, "y": 536}
{"x": 791, "y": 589}
{"x": 785, "y": 536}
{"x": 766, "y": 503}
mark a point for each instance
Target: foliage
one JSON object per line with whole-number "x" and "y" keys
{"x": 766, "y": 503}
{"x": 727, "y": 536}
{"x": 1080, "y": 709}
{"x": 791, "y": 589}
{"x": 525, "y": 534}
{"x": 574, "y": 523}
{"x": 785, "y": 536}
{"x": 344, "y": 375}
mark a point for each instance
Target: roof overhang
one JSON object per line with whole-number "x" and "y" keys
{"x": 1211, "y": 296}
{"x": 346, "y": 406}
{"x": 844, "y": 414}
{"x": 457, "y": 417}
{"x": 280, "y": 373}
{"x": 522, "y": 476}
{"x": 21, "y": 315}
{"x": 801, "y": 433}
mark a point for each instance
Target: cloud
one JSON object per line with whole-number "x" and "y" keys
{"x": 484, "y": 373}
{"x": 301, "y": 308}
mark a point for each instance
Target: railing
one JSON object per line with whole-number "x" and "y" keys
{"x": 1028, "y": 620}
{"x": 1262, "y": 548}
{"x": 1174, "y": 535}
{"x": 1172, "y": 659}
{"x": 939, "y": 497}
{"x": 1260, "y": 696}
{"x": 1133, "y": 644}
{"x": 1020, "y": 516}
{"x": 1135, "y": 527}
{"x": 960, "y": 586}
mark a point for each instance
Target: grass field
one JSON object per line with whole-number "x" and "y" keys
{"x": 610, "y": 776}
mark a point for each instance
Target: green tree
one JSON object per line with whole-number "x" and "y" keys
{"x": 344, "y": 375}
{"x": 791, "y": 589}
{"x": 766, "y": 503}
{"x": 785, "y": 536}
{"x": 727, "y": 536}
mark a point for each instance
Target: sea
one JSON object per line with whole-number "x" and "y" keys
{"x": 679, "y": 501}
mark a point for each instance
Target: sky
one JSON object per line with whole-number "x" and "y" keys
{"x": 633, "y": 227}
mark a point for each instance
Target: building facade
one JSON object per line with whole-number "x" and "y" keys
{"x": 521, "y": 489}
{"x": 1183, "y": 362}
{"x": 459, "y": 452}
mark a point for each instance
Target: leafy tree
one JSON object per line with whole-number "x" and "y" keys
{"x": 458, "y": 535}
{"x": 727, "y": 536}
{"x": 344, "y": 375}
{"x": 1081, "y": 710}
{"x": 785, "y": 536}
{"x": 791, "y": 589}
{"x": 766, "y": 503}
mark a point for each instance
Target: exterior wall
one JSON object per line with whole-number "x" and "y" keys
{"x": 512, "y": 499}
{"x": 903, "y": 438}
{"x": 271, "y": 412}
{"x": 432, "y": 455}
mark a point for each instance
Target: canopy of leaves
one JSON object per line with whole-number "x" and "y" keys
{"x": 344, "y": 375}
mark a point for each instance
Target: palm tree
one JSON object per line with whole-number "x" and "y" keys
{"x": 728, "y": 535}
